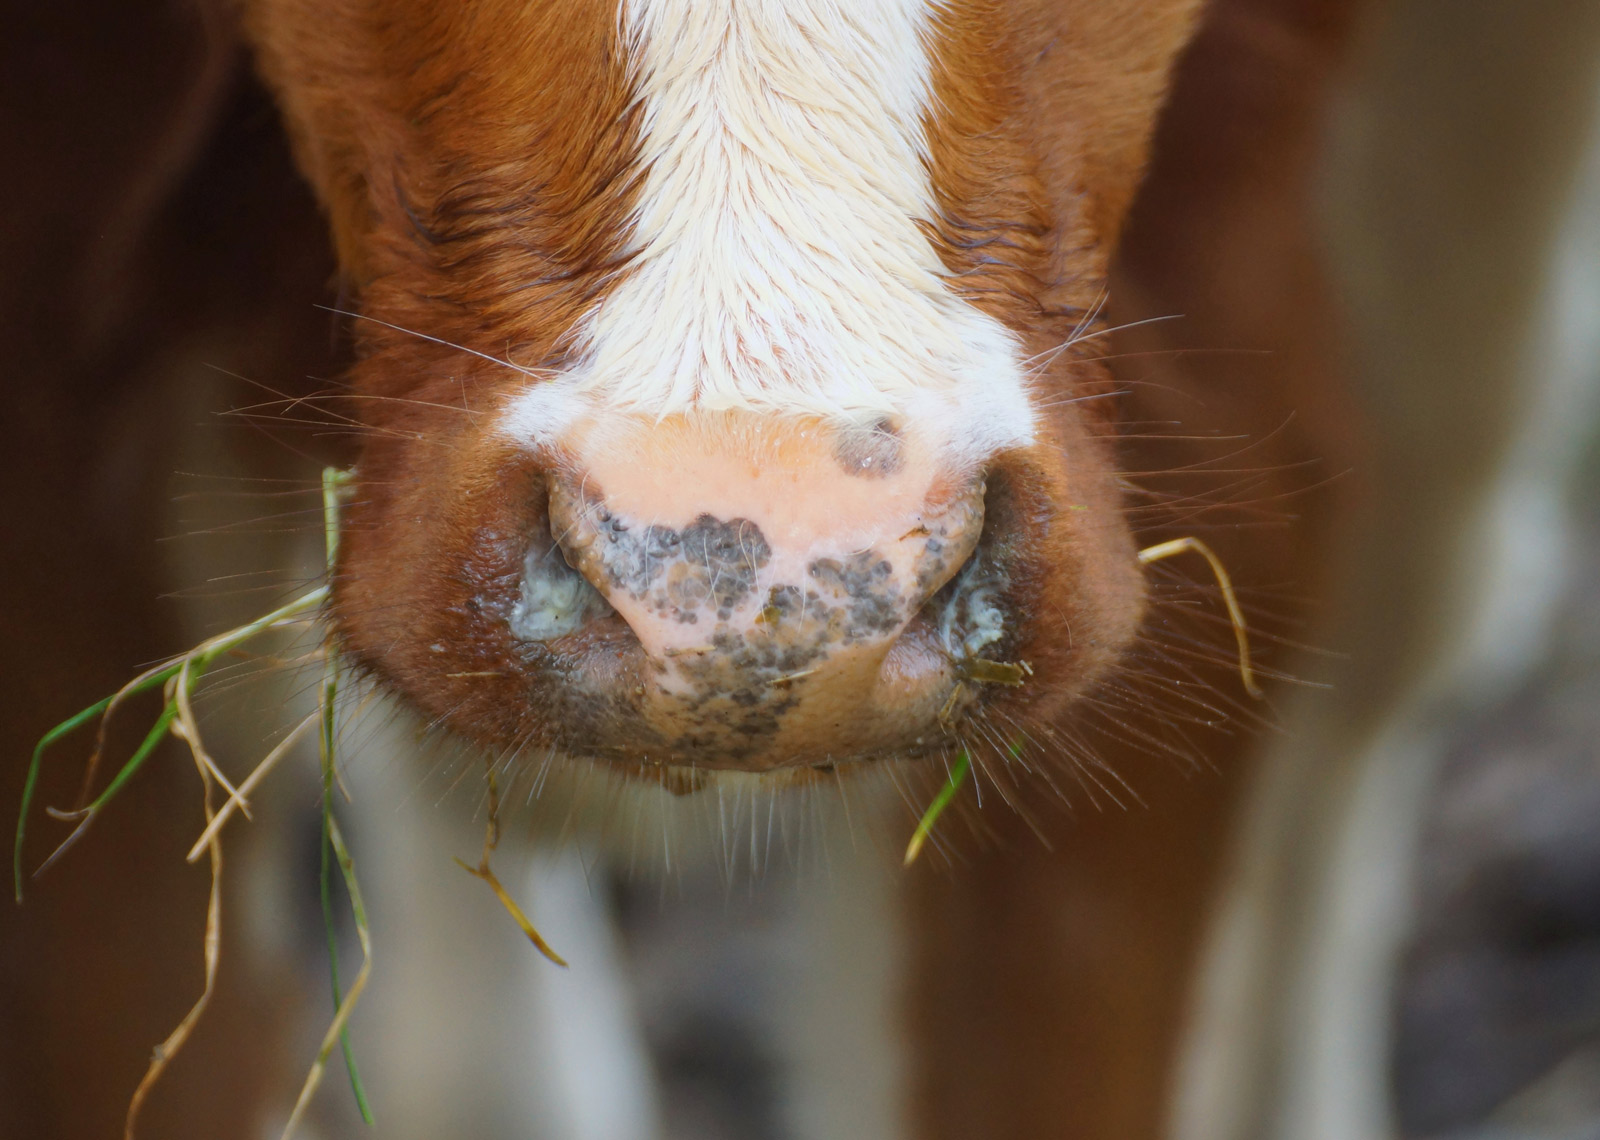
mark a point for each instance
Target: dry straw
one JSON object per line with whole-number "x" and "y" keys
{"x": 177, "y": 679}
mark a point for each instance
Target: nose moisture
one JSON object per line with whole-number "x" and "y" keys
{"x": 554, "y": 599}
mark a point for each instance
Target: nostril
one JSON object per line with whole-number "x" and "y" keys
{"x": 969, "y": 609}
{"x": 553, "y": 600}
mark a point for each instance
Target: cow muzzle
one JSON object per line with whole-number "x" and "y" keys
{"x": 776, "y": 586}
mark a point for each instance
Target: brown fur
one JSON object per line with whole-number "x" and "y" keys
{"x": 477, "y": 165}
{"x": 1059, "y": 976}
{"x": 1048, "y": 985}
{"x": 1000, "y": 234}
{"x": 478, "y": 171}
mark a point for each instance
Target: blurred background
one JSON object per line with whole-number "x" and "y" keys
{"x": 1411, "y": 937}
{"x": 1408, "y": 942}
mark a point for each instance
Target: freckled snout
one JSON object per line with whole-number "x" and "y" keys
{"x": 775, "y": 583}
{"x": 744, "y": 593}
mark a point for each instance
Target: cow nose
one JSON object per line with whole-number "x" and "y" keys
{"x": 713, "y": 583}
{"x": 770, "y": 599}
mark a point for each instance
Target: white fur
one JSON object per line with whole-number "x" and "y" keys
{"x": 777, "y": 261}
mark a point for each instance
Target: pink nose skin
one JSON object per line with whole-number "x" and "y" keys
{"x": 770, "y": 578}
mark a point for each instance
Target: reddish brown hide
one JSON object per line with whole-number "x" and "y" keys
{"x": 1102, "y": 931}
{"x": 479, "y": 175}
{"x": 1048, "y": 990}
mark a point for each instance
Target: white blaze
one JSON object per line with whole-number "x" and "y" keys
{"x": 778, "y": 264}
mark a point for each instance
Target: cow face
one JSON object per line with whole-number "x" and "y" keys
{"x": 721, "y": 361}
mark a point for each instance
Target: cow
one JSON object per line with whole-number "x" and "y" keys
{"x": 753, "y": 404}
{"x": 734, "y": 403}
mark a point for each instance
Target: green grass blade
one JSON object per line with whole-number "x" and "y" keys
{"x": 136, "y": 761}
{"x": 128, "y": 770}
{"x": 328, "y": 850}
{"x": 71, "y": 724}
{"x": 341, "y": 1017}
{"x": 359, "y": 910}
{"x": 952, "y": 785}
{"x": 151, "y": 680}
{"x": 234, "y": 638}
{"x": 333, "y": 480}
